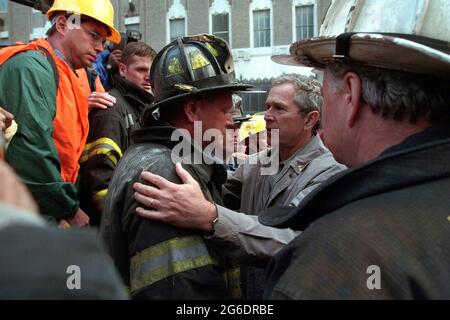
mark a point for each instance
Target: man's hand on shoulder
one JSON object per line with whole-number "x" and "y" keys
{"x": 181, "y": 205}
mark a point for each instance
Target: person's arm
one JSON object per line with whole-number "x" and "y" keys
{"x": 28, "y": 91}
{"x": 184, "y": 206}
{"x": 13, "y": 192}
{"x": 245, "y": 239}
{"x": 106, "y": 143}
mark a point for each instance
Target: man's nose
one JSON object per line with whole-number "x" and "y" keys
{"x": 99, "y": 47}
{"x": 268, "y": 115}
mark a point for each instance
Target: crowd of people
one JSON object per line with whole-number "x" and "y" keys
{"x": 352, "y": 173}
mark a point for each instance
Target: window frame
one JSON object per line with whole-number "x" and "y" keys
{"x": 176, "y": 11}
{"x": 4, "y": 3}
{"x": 299, "y": 3}
{"x": 221, "y": 7}
{"x": 170, "y": 28}
{"x": 260, "y": 5}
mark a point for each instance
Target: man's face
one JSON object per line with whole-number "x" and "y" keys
{"x": 138, "y": 71}
{"x": 284, "y": 114}
{"x": 216, "y": 112}
{"x": 82, "y": 43}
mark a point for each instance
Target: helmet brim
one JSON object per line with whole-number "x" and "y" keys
{"x": 115, "y": 35}
{"x": 239, "y": 120}
{"x": 371, "y": 49}
{"x": 175, "y": 99}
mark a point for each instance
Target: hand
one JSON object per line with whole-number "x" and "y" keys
{"x": 115, "y": 58}
{"x": 6, "y": 119}
{"x": 240, "y": 157}
{"x": 101, "y": 100}
{"x": 13, "y": 192}
{"x": 80, "y": 219}
{"x": 181, "y": 205}
{"x": 64, "y": 225}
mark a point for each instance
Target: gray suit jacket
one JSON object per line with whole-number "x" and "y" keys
{"x": 250, "y": 192}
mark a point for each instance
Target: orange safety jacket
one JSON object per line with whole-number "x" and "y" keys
{"x": 70, "y": 124}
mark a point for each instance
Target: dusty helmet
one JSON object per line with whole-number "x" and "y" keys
{"x": 410, "y": 36}
{"x": 192, "y": 65}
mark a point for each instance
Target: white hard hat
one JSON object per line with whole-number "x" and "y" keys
{"x": 407, "y": 35}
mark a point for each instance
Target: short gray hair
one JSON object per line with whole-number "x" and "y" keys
{"x": 399, "y": 95}
{"x": 308, "y": 96}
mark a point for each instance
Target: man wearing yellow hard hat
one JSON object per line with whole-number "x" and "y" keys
{"x": 39, "y": 85}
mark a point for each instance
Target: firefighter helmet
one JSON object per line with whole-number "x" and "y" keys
{"x": 100, "y": 10}
{"x": 192, "y": 65}
{"x": 410, "y": 36}
{"x": 238, "y": 111}
{"x": 256, "y": 124}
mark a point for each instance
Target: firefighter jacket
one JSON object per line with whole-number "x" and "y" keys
{"x": 109, "y": 137}
{"x": 380, "y": 230}
{"x": 52, "y": 124}
{"x": 156, "y": 260}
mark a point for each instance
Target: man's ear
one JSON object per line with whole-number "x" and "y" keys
{"x": 61, "y": 25}
{"x": 191, "y": 109}
{"x": 122, "y": 69}
{"x": 311, "y": 120}
{"x": 352, "y": 92}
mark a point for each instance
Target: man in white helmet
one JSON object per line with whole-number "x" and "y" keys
{"x": 49, "y": 100}
{"x": 380, "y": 230}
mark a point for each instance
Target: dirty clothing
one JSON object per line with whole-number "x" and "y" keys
{"x": 377, "y": 231}
{"x": 155, "y": 259}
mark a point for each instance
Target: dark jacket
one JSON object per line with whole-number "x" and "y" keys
{"x": 156, "y": 260}
{"x": 109, "y": 137}
{"x": 392, "y": 213}
{"x": 40, "y": 262}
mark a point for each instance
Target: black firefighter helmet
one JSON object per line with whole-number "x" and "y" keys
{"x": 192, "y": 65}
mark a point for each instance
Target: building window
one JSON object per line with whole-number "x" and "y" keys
{"x": 177, "y": 28}
{"x": 220, "y": 26}
{"x": 304, "y": 17}
{"x": 132, "y": 23}
{"x": 4, "y": 5}
{"x": 261, "y": 28}
{"x": 176, "y": 21}
{"x": 220, "y": 19}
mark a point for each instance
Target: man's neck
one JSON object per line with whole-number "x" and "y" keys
{"x": 382, "y": 134}
{"x": 286, "y": 152}
{"x": 55, "y": 43}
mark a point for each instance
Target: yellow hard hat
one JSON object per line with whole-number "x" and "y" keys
{"x": 253, "y": 126}
{"x": 100, "y": 10}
